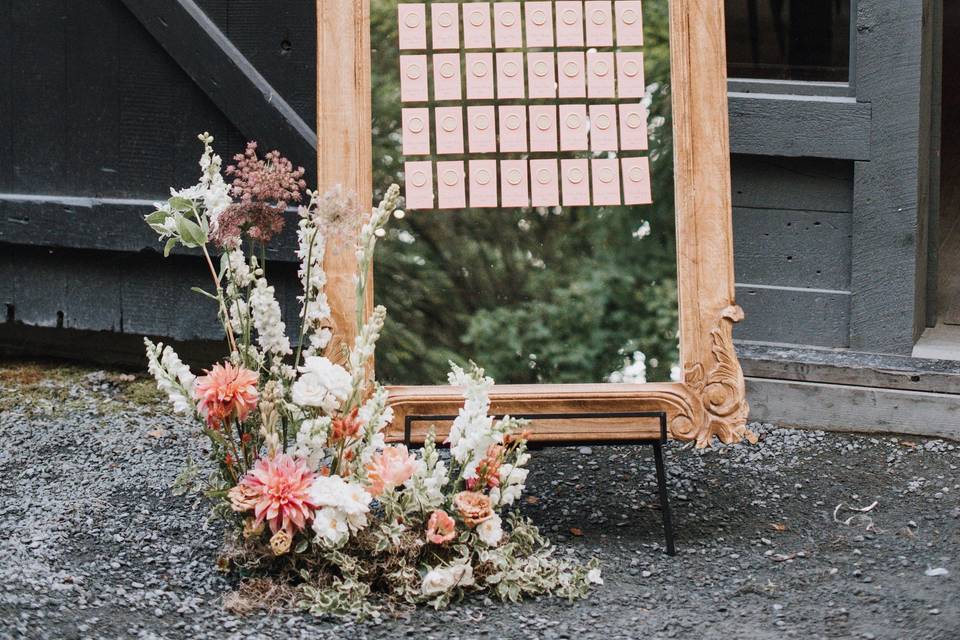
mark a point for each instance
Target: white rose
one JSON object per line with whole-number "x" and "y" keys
{"x": 330, "y": 525}
{"x": 491, "y": 530}
{"x": 349, "y": 499}
{"x": 323, "y": 384}
{"x": 443, "y": 579}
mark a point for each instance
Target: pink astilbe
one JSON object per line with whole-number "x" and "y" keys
{"x": 226, "y": 392}
{"x": 277, "y": 489}
{"x": 265, "y": 187}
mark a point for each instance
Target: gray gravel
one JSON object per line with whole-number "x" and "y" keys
{"x": 94, "y": 545}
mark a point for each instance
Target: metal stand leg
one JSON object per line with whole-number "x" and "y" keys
{"x": 664, "y": 499}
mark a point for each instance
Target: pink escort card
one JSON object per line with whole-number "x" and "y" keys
{"x": 630, "y": 75}
{"x": 540, "y": 73}
{"x": 445, "y": 24}
{"x": 571, "y": 75}
{"x": 416, "y": 131}
{"x": 599, "y": 18}
{"x": 513, "y": 128}
{"x": 412, "y": 26}
{"x": 606, "y": 181}
{"x": 629, "y": 15}
{"x": 543, "y": 128}
{"x": 449, "y": 127}
{"x": 418, "y": 180}
{"x": 539, "y": 24}
{"x": 481, "y": 129}
{"x": 573, "y": 127}
{"x": 413, "y": 78}
{"x": 636, "y": 181}
{"x": 574, "y": 182}
{"x": 569, "y": 23}
{"x": 513, "y": 184}
{"x": 476, "y": 25}
{"x": 544, "y": 183}
{"x": 479, "y": 76}
{"x": 600, "y": 82}
{"x": 633, "y": 127}
{"x": 510, "y": 84}
{"x": 506, "y": 23}
{"x": 446, "y": 76}
{"x": 483, "y": 183}
{"x": 451, "y": 186}
{"x": 603, "y": 127}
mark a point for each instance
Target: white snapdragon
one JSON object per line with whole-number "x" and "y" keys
{"x": 321, "y": 384}
{"x": 311, "y": 441}
{"x": 375, "y": 415}
{"x": 315, "y": 308}
{"x": 343, "y": 508}
{"x": 173, "y": 377}
{"x": 365, "y": 345}
{"x": 440, "y": 580}
{"x": 271, "y": 331}
{"x": 215, "y": 192}
{"x": 513, "y": 481}
{"x": 473, "y": 431}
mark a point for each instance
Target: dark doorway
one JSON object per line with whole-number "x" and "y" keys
{"x": 948, "y": 289}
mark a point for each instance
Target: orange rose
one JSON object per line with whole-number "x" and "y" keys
{"x": 473, "y": 507}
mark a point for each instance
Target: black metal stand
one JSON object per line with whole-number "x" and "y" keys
{"x": 656, "y": 443}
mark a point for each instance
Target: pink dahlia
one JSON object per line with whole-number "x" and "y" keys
{"x": 226, "y": 392}
{"x": 278, "y": 491}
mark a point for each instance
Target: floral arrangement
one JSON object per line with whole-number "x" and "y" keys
{"x": 323, "y": 513}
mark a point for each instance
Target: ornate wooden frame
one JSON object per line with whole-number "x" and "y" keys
{"x": 709, "y": 400}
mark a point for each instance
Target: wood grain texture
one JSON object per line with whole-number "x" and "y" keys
{"x": 344, "y": 155}
{"x": 709, "y": 402}
{"x": 817, "y": 317}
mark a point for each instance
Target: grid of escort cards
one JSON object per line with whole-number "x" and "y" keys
{"x": 518, "y": 104}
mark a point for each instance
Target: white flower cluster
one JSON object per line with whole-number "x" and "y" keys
{"x": 442, "y": 579}
{"x": 513, "y": 480}
{"x": 271, "y": 332}
{"x": 473, "y": 430}
{"x": 321, "y": 384}
{"x": 343, "y": 508}
{"x": 311, "y": 443}
{"x": 428, "y": 481}
{"x": 216, "y": 192}
{"x": 364, "y": 346}
{"x": 315, "y": 309}
{"x": 375, "y": 415}
{"x": 173, "y": 377}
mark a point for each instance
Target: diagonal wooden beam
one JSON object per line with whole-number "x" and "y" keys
{"x": 212, "y": 61}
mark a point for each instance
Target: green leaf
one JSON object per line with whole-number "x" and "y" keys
{"x": 190, "y": 233}
{"x": 157, "y": 217}
{"x": 178, "y": 203}
{"x": 168, "y": 247}
{"x": 203, "y": 293}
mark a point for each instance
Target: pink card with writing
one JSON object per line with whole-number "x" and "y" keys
{"x": 573, "y": 127}
{"x": 571, "y": 75}
{"x": 569, "y": 23}
{"x": 481, "y": 129}
{"x": 513, "y": 128}
{"x": 636, "y": 181}
{"x": 412, "y": 25}
{"x": 633, "y": 127}
{"x": 451, "y": 185}
{"x": 445, "y": 24}
{"x": 446, "y": 76}
{"x": 544, "y": 183}
{"x": 510, "y": 83}
{"x": 543, "y": 128}
{"x": 483, "y": 183}
{"x": 540, "y": 73}
{"x": 479, "y": 76}
{"x": 629, "y": 15}
{"x": 539, "y": 24}
{"x": 599, "y": 18}
{"x": 514, "y": 191}
{"x": 416, "y": 131}
{"x": 476, "y": 25}
{"x": 630, "y": 74}
{"x": 600, "y": 82}
{"x": 413, "y": 78}
{"x": 449, "y": 126}
{"x": 606, "y": 181}
{"x": 506, "y": 25}
{"x": 603, "y": 127}
{"x": 418, "y": 178}
{"x": 574, "y": 182}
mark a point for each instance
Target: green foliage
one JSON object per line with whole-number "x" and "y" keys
{"x": 536, "y": 296}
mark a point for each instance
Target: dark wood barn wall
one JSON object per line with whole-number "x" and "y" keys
{"x": 101, "y": 101}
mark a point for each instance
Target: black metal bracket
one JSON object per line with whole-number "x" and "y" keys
{"x": 656, "y": 443}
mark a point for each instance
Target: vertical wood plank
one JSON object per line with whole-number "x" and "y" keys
{"x": 343, "y": 140}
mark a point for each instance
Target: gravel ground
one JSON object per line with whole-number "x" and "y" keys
{"x": 94, "y": 545}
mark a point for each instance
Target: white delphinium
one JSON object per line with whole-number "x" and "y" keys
{"x": 427, "y": 483}
{"x": 311, "y": 443}
{"x": 442, "y": 579}
{"x": 343, "y": 507}
{"x": 473, "y": 430}
{"x": 172, "y": 376}
{"x": 321, "y": 384}
{"x": 271, "y": 331}
{"x": 315, "y": 309}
